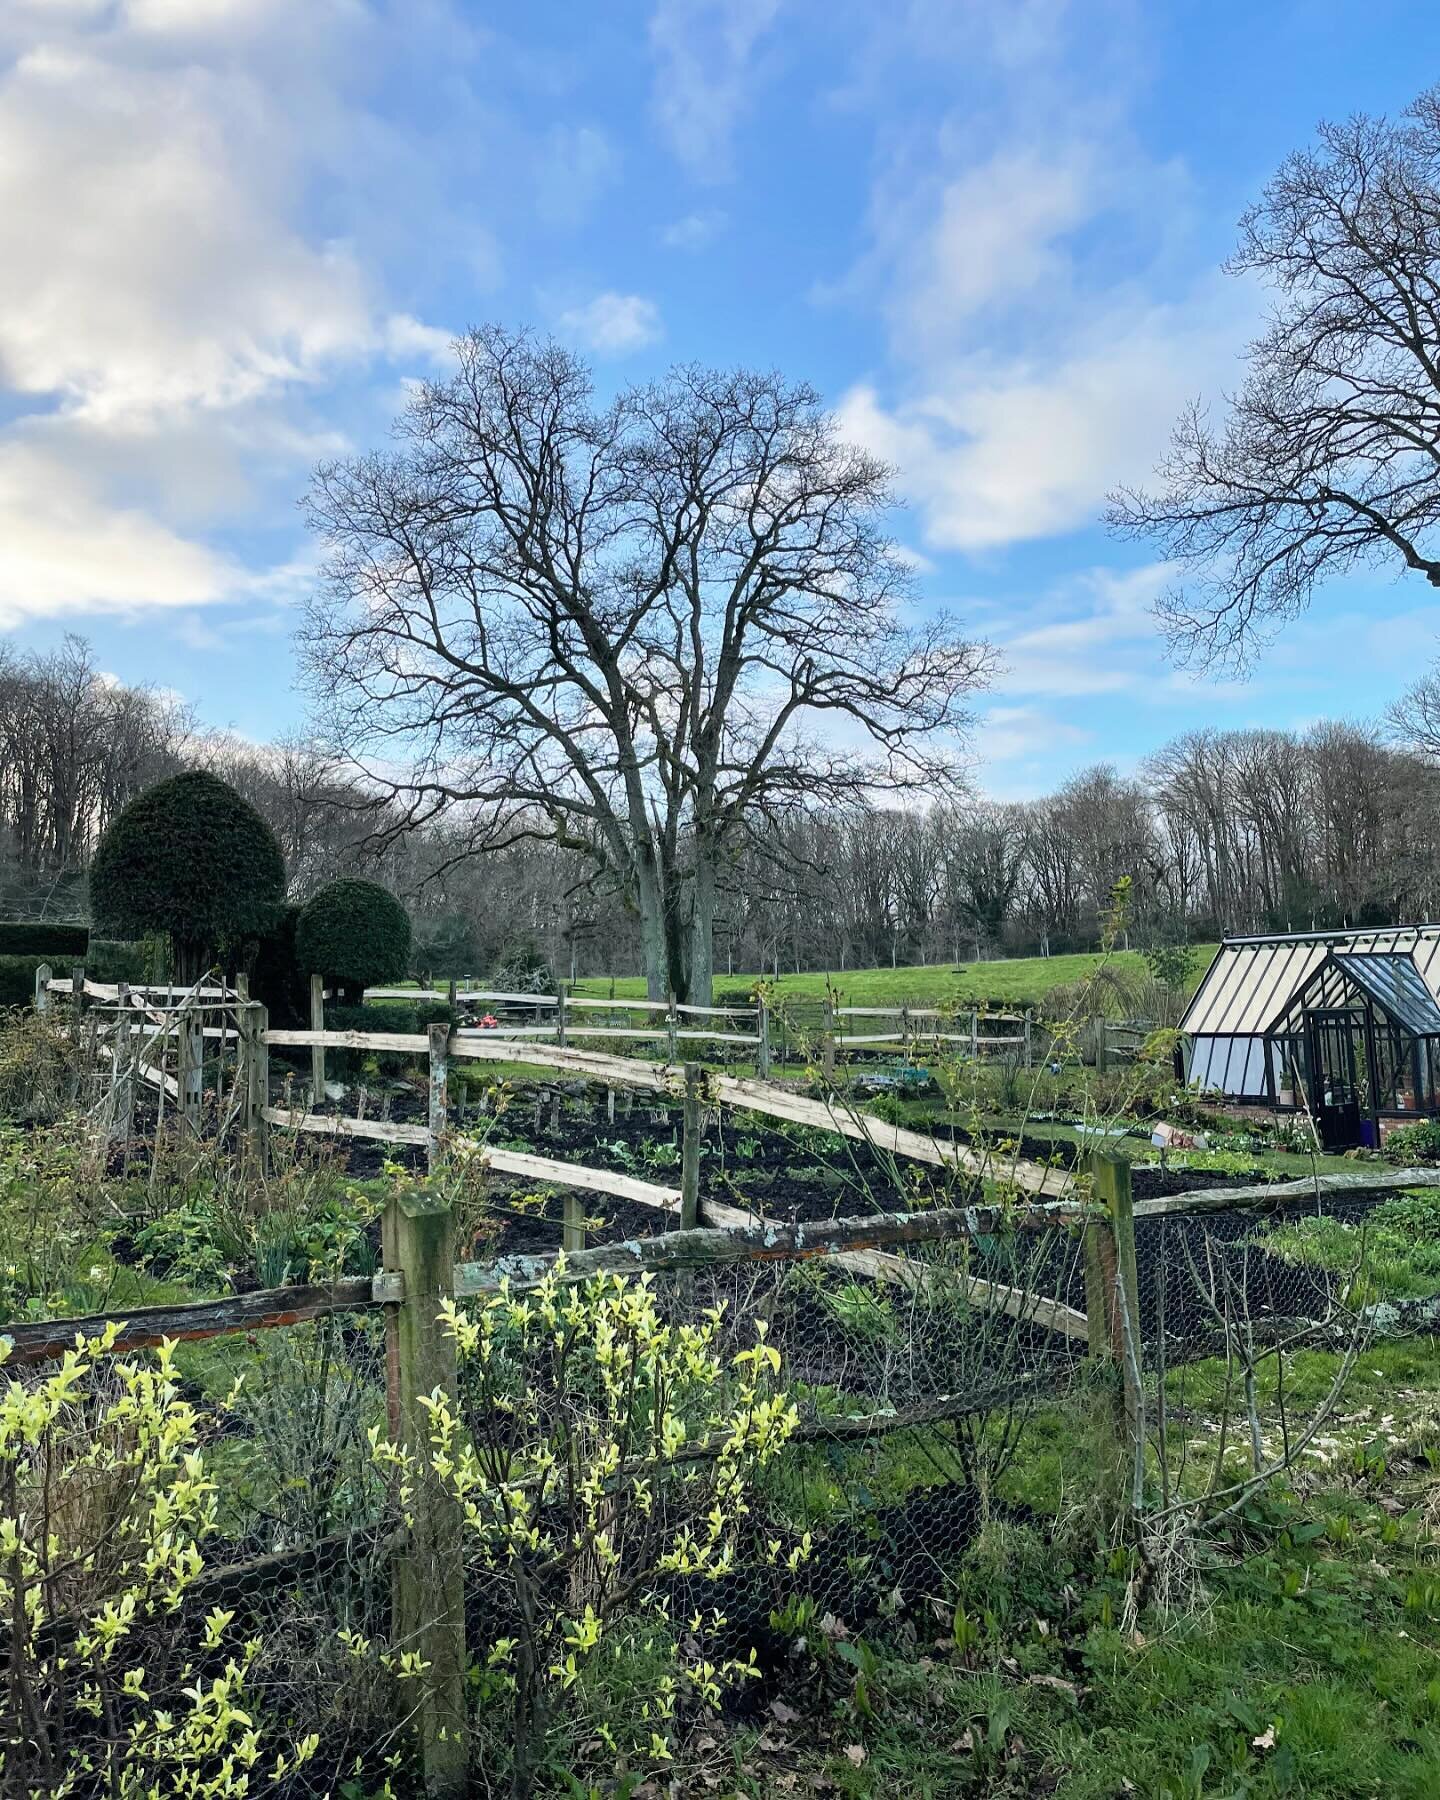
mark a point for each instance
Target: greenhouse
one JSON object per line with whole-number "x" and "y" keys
{"x": 1345, "y": 1025}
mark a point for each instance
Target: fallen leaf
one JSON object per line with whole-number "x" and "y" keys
{"x": 1265, "y": 1741}
{"x": 855, "y": 1753}
{"x": 965, "y": 1741}
{"x": 1057, "y": 1682}
{"x": 833, "y": 1627}
{"x": 787, "y": 1715}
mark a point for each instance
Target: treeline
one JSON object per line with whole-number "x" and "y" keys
{"x": 1219, "y": 831}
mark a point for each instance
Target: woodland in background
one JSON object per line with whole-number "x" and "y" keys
{"x": 1221, "y": 831}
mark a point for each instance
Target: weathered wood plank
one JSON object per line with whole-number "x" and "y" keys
{"x": 711, "y": 1247}
{"x": 1266, "y": 1195}
{"x": 42, "y": 1339}
{"x": 564, "y": 1174}
{"x": 386, "y": 1131}
{"x": 398, "y": 1041}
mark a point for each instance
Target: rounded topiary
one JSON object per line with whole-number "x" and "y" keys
{"x": 354, "y": 933}
{"x": 190, "y": 860}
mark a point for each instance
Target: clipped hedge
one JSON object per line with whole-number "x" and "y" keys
{"x": 354, "y": 933}
{"x": 191, "y": 860}
{"x": 17, "y": 979}
{"x": 120, "y": 959}
{"x": 52, "y": 942}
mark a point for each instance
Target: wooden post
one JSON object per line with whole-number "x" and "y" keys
{"x": 572, "y": 1232}
{"x": 452, "y": 992}
{"x": 827, "y": 1037}
{"x": 1028, "y": 1052}
{"x": 1112, "y": 1311}
{"x": 43, "y": 978}
{"x": 690, "y": 1151}
{"x": 317, "y": 1051}
{"x": 560, "y": 1013}
{"x": 123, "y": 1112}
{"x": 975, "y": 1034}
{"x": 429, "y": 1573}
{"x": 762, "y": 1032}
{"x": 189, "y": 1054}
{"x": 439, "y": 1036}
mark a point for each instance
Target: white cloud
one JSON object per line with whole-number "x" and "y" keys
{"x": 170, "y": 307}
{"x": 704, "y": 54}
{"x": 65, "y": 550}
{"x": 694, "y": 231}
{"x": 1000, "y": 449}
{"x": 1047, "y": 315}
{"x": 613, "y": 324}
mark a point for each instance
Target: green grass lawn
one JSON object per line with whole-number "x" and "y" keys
{"x": 1019, "y": 981}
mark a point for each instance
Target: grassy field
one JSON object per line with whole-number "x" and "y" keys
{"x": 1019, "y": 981}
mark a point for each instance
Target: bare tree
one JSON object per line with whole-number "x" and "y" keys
{"x": 644, "y": 625}
{"x": 1329, "y": 456}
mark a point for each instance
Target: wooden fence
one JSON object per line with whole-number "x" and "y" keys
{"x": 420, "y": 1275}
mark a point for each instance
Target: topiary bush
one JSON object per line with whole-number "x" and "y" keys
{"x": 192, "y": 860}
{"x": 276, "y": 978}
{"x": 354, "y": 933}
{"x": 44, "y": 938}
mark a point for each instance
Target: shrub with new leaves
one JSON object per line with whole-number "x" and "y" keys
{"x": 354, "y": 933}
{"x": 192, "y": 861}
{"x": 105, "y": 1502}
{"x": 603, "y": 1459}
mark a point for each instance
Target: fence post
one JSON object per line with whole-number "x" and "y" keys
{"x": 1112, "y": 1311}
{"x": 690, "y": 1151}
{"x": 189, "y": 1055}
{"x": 317, "y": 1051}
{"x": 1028, "y": 1057}
{"x": 762, "y": 1033}
{"x": 43, "y": 979}
{"x": 975, "y": 1034}
{"x": 827, "y": 1037}
{"x": 560, "y": 1014}
{"x": 123, "y": 1112}
{"x": 572, "y": 1231}
{"x": 429, "y": 1576}
{"x": 439, "y": 1036}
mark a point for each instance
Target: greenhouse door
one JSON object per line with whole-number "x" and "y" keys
{"x": 1334, "y": 1092}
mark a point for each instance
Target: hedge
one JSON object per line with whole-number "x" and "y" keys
{"x": 354, "y": 933}
{"x": 190, "y": 859}
{"x": 50, "y": 941}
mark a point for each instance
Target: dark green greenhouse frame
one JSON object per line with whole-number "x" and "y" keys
{"x": 1360, "y": 1041}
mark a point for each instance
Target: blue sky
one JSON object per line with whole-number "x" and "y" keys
{"x": 988, "y": 230}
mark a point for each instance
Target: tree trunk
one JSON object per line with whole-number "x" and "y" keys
{"x": 701, "y": 985}
{"x": 653, "y": 948}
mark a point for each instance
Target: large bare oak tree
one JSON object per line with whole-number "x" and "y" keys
{"x": 1328, "y": 458}
{"x": 638, "y": 627}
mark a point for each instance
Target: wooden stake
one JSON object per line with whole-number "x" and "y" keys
{"x": 762, "y": 1032}
{"x": 573, "y": 1231}
{"x": 560, "y": 1015}
{"x": 1112, "y": 1311}
{"x": 43, "y": 978}
{"x": 827, "y": 1038}
{"x": 429, "y": 1574}
{"x": 439, "y": 1036}
{"x": 317, "y": 1051}
{"x": 690, "y": 1151}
